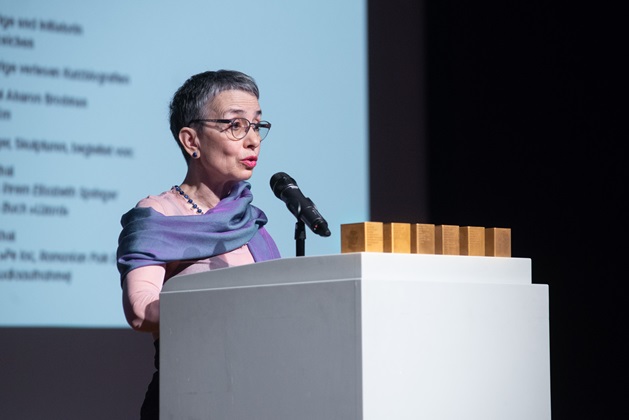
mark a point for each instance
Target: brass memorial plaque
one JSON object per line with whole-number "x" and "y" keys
{"x": 472, "y": 240}
{"x": 422, "y": 238}
{"x": 361, "y": 237}
{"x": 447, "y": 240}
{"x": 397, "y": 238}
{"x": 498, "y": 242}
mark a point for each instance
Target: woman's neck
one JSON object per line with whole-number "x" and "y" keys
{"x": 203, "y": 193}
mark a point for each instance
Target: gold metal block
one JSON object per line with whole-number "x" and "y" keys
{"x": 397, "y": 238}
{"x": 498, "y": 242}
{"x": 422, "y": 238}
{"x": 361, "y": 237}
{"x": 447, "y": 240}
{"x": 472, "y": 240}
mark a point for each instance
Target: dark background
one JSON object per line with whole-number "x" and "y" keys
{"x": 507, "y": 114}
{"x": 496, "y": 113}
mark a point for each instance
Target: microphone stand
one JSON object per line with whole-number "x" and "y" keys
{"x": 300, "y": 238}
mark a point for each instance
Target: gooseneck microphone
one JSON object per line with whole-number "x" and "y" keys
{"x": 285, "y": 188}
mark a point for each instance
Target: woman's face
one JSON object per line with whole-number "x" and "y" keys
{"x": 224, "y": 158}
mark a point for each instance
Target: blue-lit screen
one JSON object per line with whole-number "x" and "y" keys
{"x": 84, "y": 93}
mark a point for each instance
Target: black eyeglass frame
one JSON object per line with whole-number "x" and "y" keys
{"x": 256, "y": 126}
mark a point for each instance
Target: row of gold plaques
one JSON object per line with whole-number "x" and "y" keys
{"x": 423, "y": 238}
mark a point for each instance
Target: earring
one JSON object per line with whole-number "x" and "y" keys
{"x": 195, "y": 155}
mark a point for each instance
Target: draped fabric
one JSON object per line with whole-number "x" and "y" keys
{"x": 149, "y": 237}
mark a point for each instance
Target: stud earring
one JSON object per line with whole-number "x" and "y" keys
{"x": 195, "y": 155}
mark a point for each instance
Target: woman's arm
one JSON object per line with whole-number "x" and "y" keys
{"x": 141, "y": 288}
{"x": 140, "y": 297}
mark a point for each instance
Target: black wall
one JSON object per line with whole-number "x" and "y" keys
{"x": 514, "y": 109}
{"x": 73, "y": 374}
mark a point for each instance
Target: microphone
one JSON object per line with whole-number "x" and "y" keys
{"x": 285, "y": 188}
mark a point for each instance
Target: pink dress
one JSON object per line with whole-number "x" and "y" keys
{"x": 142, "y": 286}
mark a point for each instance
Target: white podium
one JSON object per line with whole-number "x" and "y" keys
{"x": 357, "y": 336}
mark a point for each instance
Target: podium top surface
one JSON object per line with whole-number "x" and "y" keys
{"x": 361, "y": 266}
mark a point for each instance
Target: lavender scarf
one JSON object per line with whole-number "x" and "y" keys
{"x": 149, "y": 237}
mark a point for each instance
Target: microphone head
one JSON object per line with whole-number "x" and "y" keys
{"x": 280, "y": 181}
{"x": 285, "y": 188}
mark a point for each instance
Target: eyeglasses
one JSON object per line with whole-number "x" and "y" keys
{"x": 240, "y": 126}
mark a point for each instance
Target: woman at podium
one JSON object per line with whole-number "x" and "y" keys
{"x": 206, "y": 221}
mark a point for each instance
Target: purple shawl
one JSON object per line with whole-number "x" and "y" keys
{"x": 149, "y": 237}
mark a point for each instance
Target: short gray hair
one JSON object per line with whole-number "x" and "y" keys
{"x": 192, "y": 98}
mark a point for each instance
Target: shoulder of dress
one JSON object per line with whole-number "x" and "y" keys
{"x": 156, "y": 202}
{"x": 167, "y": 203}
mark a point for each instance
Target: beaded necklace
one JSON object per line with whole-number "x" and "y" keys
{"x": 188, "y": 199}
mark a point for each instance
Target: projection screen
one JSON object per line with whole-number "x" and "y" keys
{"x": 84, "y": 93}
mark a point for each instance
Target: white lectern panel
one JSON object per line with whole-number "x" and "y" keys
{"x": 455, "y": 351}
{"x": 357, "y": 336}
